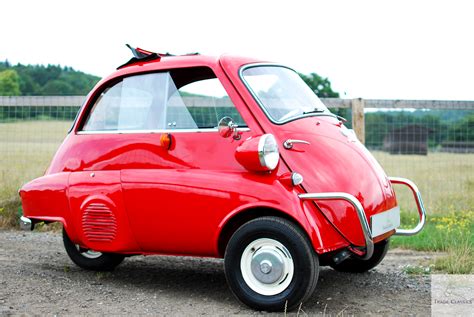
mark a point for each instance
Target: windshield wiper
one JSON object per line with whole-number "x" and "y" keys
{"x": 315, "y": 110}
{"x": 318, "y": 110}
{"x": 341, "y": 118}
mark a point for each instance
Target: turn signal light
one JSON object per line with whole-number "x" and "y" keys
{"x": 296, "y": 178}
{"x": 165, "y": 140}
{"x": 291, "y": 179}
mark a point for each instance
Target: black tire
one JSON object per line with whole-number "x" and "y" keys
{"x": 354, "y": 265}
{"x": 301, "y": 255}
{"x": 102, "y": 261}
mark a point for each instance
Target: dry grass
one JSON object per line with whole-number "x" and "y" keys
{"x": 460, "y": 258}
{"x": 26, "y": 149}
{"x": 446, "y": 180}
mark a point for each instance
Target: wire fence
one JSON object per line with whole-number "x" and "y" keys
{"x": 430, "y": 142}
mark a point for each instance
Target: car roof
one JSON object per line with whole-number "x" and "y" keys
{"x": 180, "y": 61}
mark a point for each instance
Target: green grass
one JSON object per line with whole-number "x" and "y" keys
{"x": 451, "y": 233}
{"x": 440, "y": 232}
{"x": 417, "y": 269}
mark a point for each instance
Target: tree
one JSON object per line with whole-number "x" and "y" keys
{"x": 57, "y": 87}
{"x": 9, "y": 83}
{"x": 463, "y": 130}
{"x": 321, "y": 86}
{"x": 51, "y": 79}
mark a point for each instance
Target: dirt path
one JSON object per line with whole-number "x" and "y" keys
{"x": 37, "y": 277}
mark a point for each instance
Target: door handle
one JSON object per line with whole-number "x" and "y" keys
{"x": 288, "y": 144}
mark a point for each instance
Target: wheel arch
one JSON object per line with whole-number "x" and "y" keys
{"x": 238, "y": 219}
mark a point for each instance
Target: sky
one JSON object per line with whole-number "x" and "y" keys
{"x": 370, "y": 49}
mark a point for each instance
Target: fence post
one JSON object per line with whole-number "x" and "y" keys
{"x": 358, "y": 119}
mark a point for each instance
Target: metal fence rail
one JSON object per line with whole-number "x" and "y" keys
{"x": 428, "y": 141}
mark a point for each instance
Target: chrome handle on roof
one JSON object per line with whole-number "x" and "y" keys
{"x": 288, "y": 144}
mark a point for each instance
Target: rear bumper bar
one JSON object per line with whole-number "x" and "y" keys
{"x": 419, "y": 204}
{"x": 369, "y": 243}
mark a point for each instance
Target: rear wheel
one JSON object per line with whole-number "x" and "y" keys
{"x": 270, "y": 264}
{"x": 353, "y": 265}
{"x": 89, "y": 259}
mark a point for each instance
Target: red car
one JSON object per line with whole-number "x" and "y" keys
{"x": 225, "y": 157}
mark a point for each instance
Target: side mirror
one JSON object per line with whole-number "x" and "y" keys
{"x": 227, "y": 127}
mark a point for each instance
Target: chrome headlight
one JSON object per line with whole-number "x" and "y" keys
{"x": 268, "y": 152}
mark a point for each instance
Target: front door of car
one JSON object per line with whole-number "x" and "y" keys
{"x": 173, "y": 160}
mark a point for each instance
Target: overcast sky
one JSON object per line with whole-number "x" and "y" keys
{"x": 370, "y": 49}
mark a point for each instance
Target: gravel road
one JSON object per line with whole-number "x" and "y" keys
{"x": 37, "y": 277}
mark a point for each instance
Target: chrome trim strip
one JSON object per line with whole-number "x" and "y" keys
{"x": 419, "y": 204}
{"x": 369, "y": 243}
{"x": 157, "y": 131}
{"x": 25, "y": 224}
{"x": 255, "y": 97}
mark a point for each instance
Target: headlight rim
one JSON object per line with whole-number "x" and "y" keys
{"x": 261, "y": 151}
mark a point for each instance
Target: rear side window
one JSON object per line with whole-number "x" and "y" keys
{"x": 182, "y": 99}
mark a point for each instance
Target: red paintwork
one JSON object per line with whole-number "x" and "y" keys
{"x": 178, "y": 200}
{"x": 247, "y": 155}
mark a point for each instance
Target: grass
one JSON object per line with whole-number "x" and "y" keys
{"x": 459, "y": 259}
{"x": 446, "y": 182}
{"x": 26, "y": 149}
{"x": 451, "y": 233}
{"x": 417, "y": 269}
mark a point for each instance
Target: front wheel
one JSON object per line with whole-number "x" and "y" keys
{"x": 270, "y": 264}
{"x": 88, "y": 259}
{"x": 353, "y": 265}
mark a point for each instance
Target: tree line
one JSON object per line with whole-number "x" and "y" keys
{"x": 40, "y": 80}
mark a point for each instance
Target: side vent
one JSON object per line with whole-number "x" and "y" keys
{"x": 99, "y": 223}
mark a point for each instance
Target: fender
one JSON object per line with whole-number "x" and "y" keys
{"x": 320, "y": 232}
{"x": 46, "y": 198}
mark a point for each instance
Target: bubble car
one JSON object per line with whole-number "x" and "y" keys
{"x": 224, "y": 157}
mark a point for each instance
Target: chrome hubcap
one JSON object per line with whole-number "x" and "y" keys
{"x": 267, "y": 266}
{"x": 88, "y": 253}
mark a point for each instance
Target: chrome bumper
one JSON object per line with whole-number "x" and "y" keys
{"x": 26, "y": 224}
{"x": 419, "y": 205}
{"x": 369, "y": 243}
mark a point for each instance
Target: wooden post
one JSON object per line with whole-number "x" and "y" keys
{"x": 358, "y": 119}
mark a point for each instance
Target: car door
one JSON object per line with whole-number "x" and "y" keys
{"x": 177, "y": 193}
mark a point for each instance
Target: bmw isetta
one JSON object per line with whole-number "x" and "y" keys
{"x": 226, "y": 157}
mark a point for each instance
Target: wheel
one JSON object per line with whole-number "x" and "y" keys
{"x": 270, "y": 264}
{"x": 353, "y": 265}
{"x": 91, "y": 260}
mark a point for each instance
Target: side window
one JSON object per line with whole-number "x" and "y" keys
{"x": 190, "y": 98}
{"x": 207, "y": 102}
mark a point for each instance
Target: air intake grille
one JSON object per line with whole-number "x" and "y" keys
{"x": 99, "y": 223}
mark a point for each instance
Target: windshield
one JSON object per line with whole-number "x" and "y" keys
{"x": 282, "y": 93}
